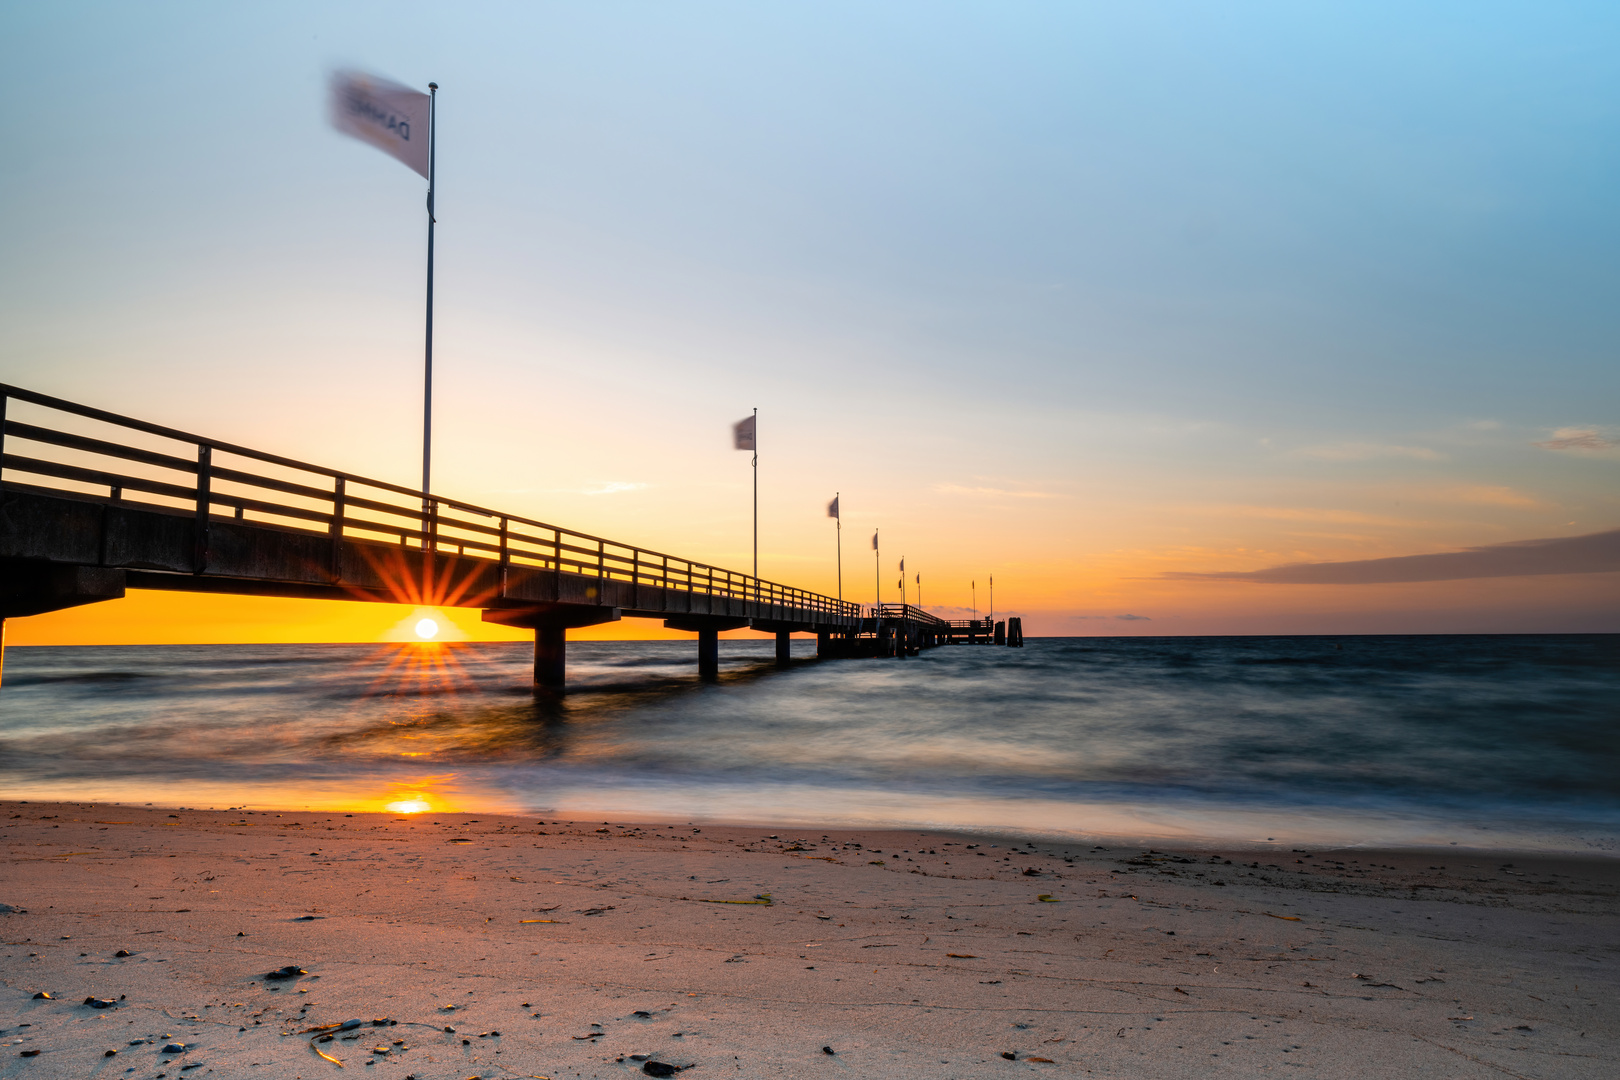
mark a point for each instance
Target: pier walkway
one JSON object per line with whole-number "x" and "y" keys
{"x": 93, "y": 503}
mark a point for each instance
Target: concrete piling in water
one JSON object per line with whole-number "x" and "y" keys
{"x": 709, "y": 655}
{"x": 550, "y": 657}
{"x": 784, "y": 648}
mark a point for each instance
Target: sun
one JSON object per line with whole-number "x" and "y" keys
{"x": 427, "y": 629}
{"x": 409, "y": 806}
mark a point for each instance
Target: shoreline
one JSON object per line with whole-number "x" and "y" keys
{"x": 1177, "y": 960}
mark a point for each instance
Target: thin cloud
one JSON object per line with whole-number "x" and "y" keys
{"x": 1004, "y": 493}
{"x": 1594, "y": 553}
{"x": 1489, "y": 495}
{"x": 1122, "y": 618}
{"x": 612, "y": 487}
{"x": 1357, "y": 451}
{"x": 1312, "y": 514}
{"x": 1577, "y": 439}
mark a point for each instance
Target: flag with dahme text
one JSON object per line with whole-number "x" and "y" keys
{"x": 391, "y": 117}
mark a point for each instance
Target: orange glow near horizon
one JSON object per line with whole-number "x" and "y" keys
{"x": 165, "y": 618}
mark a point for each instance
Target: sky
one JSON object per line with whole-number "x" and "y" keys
{"x": 1145, "y": 310}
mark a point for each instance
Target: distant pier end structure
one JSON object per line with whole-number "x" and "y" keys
{"x": 93, "y": 503}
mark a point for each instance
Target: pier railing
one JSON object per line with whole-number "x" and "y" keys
{"x": 57, "y": 447}
{"x": 910, "y": 613}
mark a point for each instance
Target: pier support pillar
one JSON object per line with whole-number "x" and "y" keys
{"x": 707, "y": 628}
{"x": 784, "y": 648}
{"x": 709, "y": 655}
{"x": 823, "y": 644}
{"x": 551, "y": 623}
{"x": 550, "y": 657}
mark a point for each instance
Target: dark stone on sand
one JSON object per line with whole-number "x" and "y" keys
{"x": 123, "y": 952}
{"x": 291, "y": 971}
{"x": 29, "y": 1053}
{"x": 658, "y": 1068}
{"x": 110, "y": 1053}
{"x": 100, "y": 1003}
{"x": 173, "y": 1048}
{"x": 1009, "y": 1055}
{"x": 43, "y": 996}
{"x": 828, "y": 1050}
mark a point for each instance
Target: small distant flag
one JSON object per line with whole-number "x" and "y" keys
{"x": 902, "y": 564}
{"x": 832, "y": 508}
{"x": 742, "y": 433}
{"x": 391, "y": 117}
{"x": 874, "y": 541}
{"x": 919, "y": 579}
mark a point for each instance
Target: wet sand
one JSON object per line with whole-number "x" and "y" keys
{"x": 515, "y": 946}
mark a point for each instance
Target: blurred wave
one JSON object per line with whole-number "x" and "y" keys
{"x": 1498, "y": 741}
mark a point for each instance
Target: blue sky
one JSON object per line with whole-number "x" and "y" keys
{"x": 1089, "y": 293}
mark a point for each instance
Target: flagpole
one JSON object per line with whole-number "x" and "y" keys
{"x": 756, "y": 506}
{"x": 877, "y": 574}
{"x": 992, "y": 599}
{"x": 427, "y": 373}
{"x": 840, "y": 521}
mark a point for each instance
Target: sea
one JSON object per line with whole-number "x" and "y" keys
{"x": 1506, "y": 743}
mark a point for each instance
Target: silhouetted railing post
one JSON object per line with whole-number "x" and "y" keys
{"x": 199, "y": 557}
{"x": 506, "y": 553}
{"x": 336, "y": 529}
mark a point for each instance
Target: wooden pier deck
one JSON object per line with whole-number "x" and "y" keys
{"x": 93, "y": 503}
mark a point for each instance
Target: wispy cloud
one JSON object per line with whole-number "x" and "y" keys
{"x": 1313, "y": 514}
{"x": 1361, "y": 451}
{"x": 1569, "y": 438}
{"x": 1122, "y": 618}
{"x": 993, "y": 492}
{"x": 1489, "y": 495}
{"x": 1590, "y": 554}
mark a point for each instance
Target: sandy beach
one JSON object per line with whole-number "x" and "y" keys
{"x": 520, "y": 947}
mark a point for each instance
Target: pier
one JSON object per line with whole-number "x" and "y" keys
{"x": 93, "y": 503}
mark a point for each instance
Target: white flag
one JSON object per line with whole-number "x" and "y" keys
{"x": 391, "y": 117}
{"x": 742, "y": 433}
{"x": 832, "y": 507}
